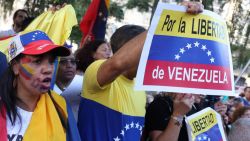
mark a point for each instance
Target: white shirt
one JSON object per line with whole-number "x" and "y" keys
{"x": 72, "y": 93}
{"x": 57, "y": 89}
{"x": 15, "y": 132}
{"x": 6, "y": 33}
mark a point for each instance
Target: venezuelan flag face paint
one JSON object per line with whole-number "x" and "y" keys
{"x": 35, "y": 73}
{"x": 25, "y": 70}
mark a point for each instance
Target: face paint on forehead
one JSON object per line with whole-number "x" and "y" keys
{"x": 26, "y": 71}
{"x": 25, "y": 60}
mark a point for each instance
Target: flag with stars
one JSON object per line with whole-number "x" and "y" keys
{"x": 186, "y": 53}
{"x": 114, "y": 112}
{"x": 94, "y": 21}
{"x": 205, "y": 125}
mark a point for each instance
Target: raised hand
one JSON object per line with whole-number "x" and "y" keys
{"x": 193, "y": 7}
{"x": 182, "y": 104}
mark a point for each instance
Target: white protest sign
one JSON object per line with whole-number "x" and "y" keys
{"x": 186, "y": 53}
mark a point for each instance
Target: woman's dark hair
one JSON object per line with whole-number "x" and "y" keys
{"x": 84, "y": 55}
{"x": 239, "y": 112}
{"x": 26, "y": 22}
{"x": 8, "y": 93}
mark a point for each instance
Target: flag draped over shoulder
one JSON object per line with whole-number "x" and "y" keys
{"x": 50, "y": 127}
{"x": 94, "y": 21}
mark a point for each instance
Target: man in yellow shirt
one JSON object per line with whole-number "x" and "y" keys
{"x": 110, "y": 108}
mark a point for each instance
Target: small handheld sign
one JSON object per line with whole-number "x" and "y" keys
{"x": 205, "y": 125}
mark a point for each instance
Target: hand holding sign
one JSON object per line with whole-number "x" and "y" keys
{"x": 220, "y": 107}
{"x": 182, "y": 104}
{"x": 193, "y": 7}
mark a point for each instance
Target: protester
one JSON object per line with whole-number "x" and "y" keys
{"x": 29, "y": 110}
{"x": 110, "y": 108}
{"x": 108, "y": 95}
{"x": 68, "y": 83}
{"x": 164, "y": 118}
{"x": 247, "y": 96}
{"x": 90, "y": 52}
{"x": 18, "y": 23}
{"x": 243, "y": 112}
{"x": 65, "y": 73}
{"x": 240, "y": 130}
{"x": 21, "y": 21}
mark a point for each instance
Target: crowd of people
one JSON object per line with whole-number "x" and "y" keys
{"x": 93, "y": 98}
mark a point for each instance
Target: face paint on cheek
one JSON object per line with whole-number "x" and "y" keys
{"x": 26, "y": 71}
{"x": 36, "y": 84}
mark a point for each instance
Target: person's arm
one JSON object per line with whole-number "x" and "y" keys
{"x": 128, "y": 56}
{"x": 171, "y": 133}
{"x": 182, "y": 105}
{"x": 124, "y": 59}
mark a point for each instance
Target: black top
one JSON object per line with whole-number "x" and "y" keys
{"x": 3, "y": 63}
{"x": 158, "y": 115}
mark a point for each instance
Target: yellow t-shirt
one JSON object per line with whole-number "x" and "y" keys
{"x": 118, "y": 95}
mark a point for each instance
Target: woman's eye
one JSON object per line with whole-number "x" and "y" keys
{"x": 37, "y": 61}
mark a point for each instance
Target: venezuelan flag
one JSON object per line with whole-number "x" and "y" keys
{"x": 45, "y": 124}
{"x": 114, "y": 112}
{"x": 95, "y": 19}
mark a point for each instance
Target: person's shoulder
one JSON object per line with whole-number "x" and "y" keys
{"x": 94, "y": 66}
{"x": 163, "y": 98}
{"x": 161, "y": 101}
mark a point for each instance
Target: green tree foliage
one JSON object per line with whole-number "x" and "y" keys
{"x": 116, "y": 10}
{"x": 142, "y": 5}
{"x": 7, "y": 6}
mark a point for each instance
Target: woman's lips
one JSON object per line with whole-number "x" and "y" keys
{"x": 45, "y": 84}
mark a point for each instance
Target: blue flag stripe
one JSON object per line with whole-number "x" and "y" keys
{"x": 196, "y": 51}
{"x": 99, "y": 28}
{"x": 33, "y": 36}
{"x": 89, "y": 122}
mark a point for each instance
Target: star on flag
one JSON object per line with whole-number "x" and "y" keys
{"x": 202, "y": 137}
{"x": 182, "y": 50}
{"x": 117, "y": 139}
{"x": 196, "y": 44}
{"x": 177, "y": 56}
{"x": 128, "y": 126}
{"x": 188, "y": 46}
{"x": 203, "y": 47}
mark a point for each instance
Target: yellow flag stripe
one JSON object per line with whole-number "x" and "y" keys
{"x": 181, "y": 24}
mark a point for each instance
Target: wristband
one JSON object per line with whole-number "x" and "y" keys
{"x": 178, "y": 120}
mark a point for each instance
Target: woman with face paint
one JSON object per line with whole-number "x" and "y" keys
{"x": 29, "y": 110}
